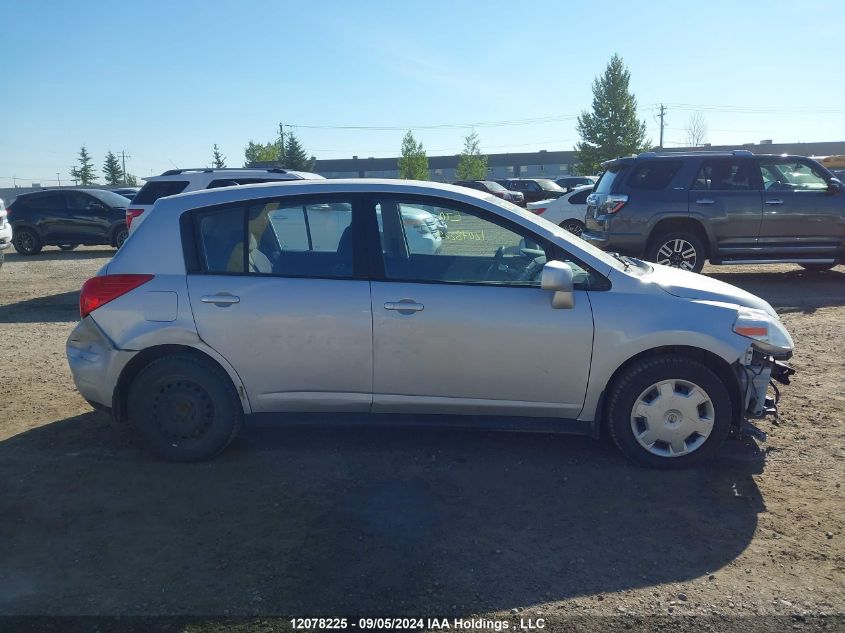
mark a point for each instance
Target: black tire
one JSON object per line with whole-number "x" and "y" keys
{"x": 663, "y": 248}
{"x": 119, "y": 236}
{"x": 626, "y": 391}
{"x": 68, "y": 247}
{"x": 2, "y": 258}
{"x": 27, "y": 242}
{"x": 817, "y": 268}
{"x": 573, "y": 226}
{"x": 184, "y": 408}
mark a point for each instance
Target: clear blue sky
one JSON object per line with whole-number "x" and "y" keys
{"x": 166, "y": 80}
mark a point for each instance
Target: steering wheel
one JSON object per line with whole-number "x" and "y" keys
{"x": 534, "y": 269}
{"x": 494, "y": 265}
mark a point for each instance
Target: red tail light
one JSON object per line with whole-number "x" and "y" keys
{"x": 615, "y": 202}
{"x": 98, "y": 291}
{"x": 539, "y": 211}
{"x": 131, "y": 214}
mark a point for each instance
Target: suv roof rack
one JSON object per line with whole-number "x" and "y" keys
{"x": 742, "y": 152}
{"x": 176, "y": 172}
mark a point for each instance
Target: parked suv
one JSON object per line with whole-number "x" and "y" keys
{"x": 728, "y": 207}
{"x": 67, "y": 218}
{"x": 176, "y": 181}
{"x": 257, "y": 304}
{"x": 5, "y": 232}
{"x": 533, "y": 189}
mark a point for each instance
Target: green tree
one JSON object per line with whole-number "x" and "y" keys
{"x": 130, "y": 180}
{"x": 612, "y": 129}
{"x": 295, "y": 156}
{"x": 112, "y": 170}
{"x": 85, "y": 173}
{"x": 413, "y": 163}
{"x": 472, "y": 164}
{"x": 259, "y": 152}
{"x": 217, "y": 158}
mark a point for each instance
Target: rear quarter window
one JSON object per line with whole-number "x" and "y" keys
{"x": 156, "y": 189}
{"x": 653, "y": 175}
{"x": 607, "y": 179}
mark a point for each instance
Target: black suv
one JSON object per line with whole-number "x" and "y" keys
{"x": 568, "y": 183}
{"x": 533, "y": 189}
{"x": 67, "y": 218}
{"x": 728, "y": 207}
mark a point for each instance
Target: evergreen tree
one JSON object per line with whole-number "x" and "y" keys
{"x": 612, "y": 129}
{"x": 295, "y": 156}
{"x": 413, "y": 163}
{"x": 85, "y": 173}
{"x": 217, "y": 158}
{"x": 130, "y": 180}
{"x": 258, "y": 152}
{"x": 112, "y": 169}
{"x": 472, "y": 164}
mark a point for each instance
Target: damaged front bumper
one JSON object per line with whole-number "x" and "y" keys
{"x": 757, "y": 378}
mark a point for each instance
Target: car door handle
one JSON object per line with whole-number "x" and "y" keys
{"x": 220, "y": 300}
{"x": 405, "y": 306}
{"x": 774, "y": 201}
{"x": 705, "y": 201}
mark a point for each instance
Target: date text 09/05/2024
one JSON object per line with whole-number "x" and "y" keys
{"x": 410, "y": 624}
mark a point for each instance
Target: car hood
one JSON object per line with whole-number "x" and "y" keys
{"x": 689, "y": 285}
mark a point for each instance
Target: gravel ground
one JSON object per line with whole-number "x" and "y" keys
{"x": 386, "y": 522}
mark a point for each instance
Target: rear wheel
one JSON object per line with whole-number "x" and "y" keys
{"x": 27, "y": 242}
{"x": 68, "y": 247}
{"x": 184, "y": 407}
{"x": 573, "y": 226}
{"x": 119, "y": 237}
{"x": 668, "y": 412}
{"x": 817, "y": 268}
{"x": 680, "y": 249}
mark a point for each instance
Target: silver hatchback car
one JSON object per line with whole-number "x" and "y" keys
{"x": 310, "y": 297}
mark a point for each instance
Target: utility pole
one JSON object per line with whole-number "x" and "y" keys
{"x": 59, "y": 178}
{"x": 281, "y": 145}
{"x": 662, "y": 124}
{"x": 123, "y": 157}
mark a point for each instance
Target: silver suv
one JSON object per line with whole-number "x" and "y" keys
{"x": 309, "y": 296}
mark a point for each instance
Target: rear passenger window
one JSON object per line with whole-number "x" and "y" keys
{"x": 298, "y": 240}
{"x": 156, "y": 189}
{"x": 723, "y": 175}
{"x": 653, "y": 174}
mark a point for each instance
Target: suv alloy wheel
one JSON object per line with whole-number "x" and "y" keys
{"x": 678, "y": 250}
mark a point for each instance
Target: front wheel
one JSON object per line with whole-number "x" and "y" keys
{"x": 668, "y": 412}
{"x": 573, "y": 226}
{"x": 184, "y": 407}
{"x": 680, "y": 250}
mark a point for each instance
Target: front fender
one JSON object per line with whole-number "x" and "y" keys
{"x": 628, "y": 324}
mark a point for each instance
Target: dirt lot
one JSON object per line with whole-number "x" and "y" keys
{"x": 386, "y": 522}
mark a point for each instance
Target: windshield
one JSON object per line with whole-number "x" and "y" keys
{"x": 549, "y": 185}
{"x": 576, "y": 242}
{"x": 494, "y": 186}
{"x": 111, "y": 198}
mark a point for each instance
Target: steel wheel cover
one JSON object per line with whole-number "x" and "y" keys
{"x": 672, "y": 418}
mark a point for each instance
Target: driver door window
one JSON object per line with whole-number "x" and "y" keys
{"x": 788, "y": 174}
{"x": 446, "y": 244}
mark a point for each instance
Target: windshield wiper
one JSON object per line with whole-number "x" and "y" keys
{"x": 620, "y": 258}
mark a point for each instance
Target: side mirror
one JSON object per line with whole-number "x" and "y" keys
{"x": 834, "y": 186}
{"x": 557, "y": 277}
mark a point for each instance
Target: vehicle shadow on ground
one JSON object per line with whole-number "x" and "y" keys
{"x": 818, "y": 289}
{"x": 56, "y": 308}
{"x": 334, "y": 521}
{"x": 56, "y": 254}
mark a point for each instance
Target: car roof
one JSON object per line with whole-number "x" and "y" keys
{"x": 334, "y": 185}
{"x": 182, "y": 174}
{"x": 58, "y": 190}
